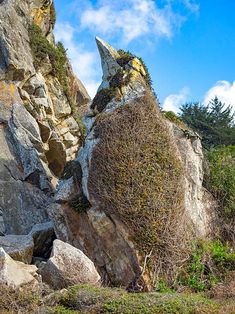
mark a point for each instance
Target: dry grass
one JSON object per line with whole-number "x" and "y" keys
{"x": 137, "y": 175}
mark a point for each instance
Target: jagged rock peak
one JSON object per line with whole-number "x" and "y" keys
{"x": 108, "y": 57}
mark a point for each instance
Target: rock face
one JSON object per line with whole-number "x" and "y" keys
{"x": 38, "y": 131}
{"x": 20, "y": 248}
{"x": 68, "y": 266}
{"x": 16, "y": 274}
{"x": 199, "y": 203}
{"x": 138, "y": 190}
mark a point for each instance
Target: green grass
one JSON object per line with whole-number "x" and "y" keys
{"x": 86, "y": 299}
{"x": 42, "y": 48}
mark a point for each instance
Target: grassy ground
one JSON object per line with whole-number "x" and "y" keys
{"x": 89, "y": 300}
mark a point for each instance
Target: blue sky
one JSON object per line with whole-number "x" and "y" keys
{"x": 188, "y": 45}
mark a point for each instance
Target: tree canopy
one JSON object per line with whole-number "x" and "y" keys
{"x": 214, "y": 122}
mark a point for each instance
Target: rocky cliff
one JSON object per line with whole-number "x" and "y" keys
{"x": 131, "y": 199}
{"x": 40, "y": 99}
{"x": 134, "y": 199}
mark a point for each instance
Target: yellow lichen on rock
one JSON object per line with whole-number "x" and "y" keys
{"x": 137, "y": 65}
{"x": 39, "y": 15}
{"x": 9, "y": 93}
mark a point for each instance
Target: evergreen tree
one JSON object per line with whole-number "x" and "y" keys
{"x": 214, "y": 122}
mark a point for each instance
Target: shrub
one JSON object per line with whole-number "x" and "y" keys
{"x": 103, "y": 97}
{"x": 136, "y": 175}
{"x": 41, "y": 48}
{"x": 221, "y": 178}
{"x": 127, "y": 56}
{"x": 171, "y": 116}
{"x": 210, "y": 263}
{"x": 120, "y": 79}
{"x": 87, "y": 299}
{"x": 52, "y": 15}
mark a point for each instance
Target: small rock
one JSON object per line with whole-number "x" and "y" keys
{"x": 68, "y": 266}
{"x": 19, "y": 247}
{"x": 16, "y": 274}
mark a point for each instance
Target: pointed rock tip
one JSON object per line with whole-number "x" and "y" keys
{"x": 104, "y": 46}
{"x": 108, "y": 57}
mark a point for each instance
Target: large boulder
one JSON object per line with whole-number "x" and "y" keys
{"x": 136, "y": 208}
{"x": 68, "y": 266}
{"x": 16, "y": 274}
{"x": 19, "y": 247}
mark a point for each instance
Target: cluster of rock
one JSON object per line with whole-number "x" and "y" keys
{"x": 39, "y": 139}
{"x": 67, "y": 266}
{"x": 104, "y": 237}
{"x": 38, "y": 136}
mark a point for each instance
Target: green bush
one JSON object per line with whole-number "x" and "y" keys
{"x": 52, "y": 15}
{"x": 127, "y": 56}
{"x": 103, "y": 97}
{"x": 41, "y": 48}
{"x": 221, "y": 178}
{"x": 210, "y": 263}
{"x": 140, "y": 162}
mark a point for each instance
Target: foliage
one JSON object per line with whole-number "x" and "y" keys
{"x": 209, "y": 264}
{"x": 18, "y": 301}
{"x": 163, "y": 287}
{"x": 171, "y": 116}
{"x": 127, "y": 56}
{"x": 103, "y": 97}
{"x": 140, "y": 162}
{"x": 221, "y": 178}
{"x": 120, "y": 79}
{"x": 42, "y": 48}
{"x": 214, "y": 122}
{"x": 52, "y": 15}
{"x": 86, "y": 299}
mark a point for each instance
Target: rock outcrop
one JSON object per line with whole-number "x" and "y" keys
{"x": 68, "y": 266}
{"x": 39, "y": 104}
{"x": 19, "y": 247}
{"x": 136, "y": 195}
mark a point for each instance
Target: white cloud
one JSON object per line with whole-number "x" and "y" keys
{"x": 131, "y": 19}
{"x": 84, "y": 62}
{"x": 174, "y": 101}
{"x": 224, "y": 90}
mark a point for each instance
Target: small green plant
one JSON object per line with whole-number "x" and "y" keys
{"x": 52, "y": 15}
{"x": 127, "y": 56}
{"x": 103, "y": 97}
{"x": 162, "y": 287}
{"x": 210, "y": 263}
{"x": 171, "y": 116}
{"x": 120, "y": 79}
{"x": 42, "y": 48}
{"x": 221, "y": 178}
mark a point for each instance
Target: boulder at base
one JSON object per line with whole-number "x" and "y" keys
{"x": 15, "y": 274}
{"x": 68, "y": 266}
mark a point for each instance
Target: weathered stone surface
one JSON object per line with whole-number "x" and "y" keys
{"x": 22, "y": 175}
{"x": 102, "y": 236}
{"x": 108, "y": 59}
{"x": 16, "y": 274}
{"x": 16, "y": 61}
{"x": 19, "y": 247}
{"x": 199, "y": 203}
{"x": 68, "y": 266}
{"x": 2, "y": 225}
{"x": 43, "y": 236}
